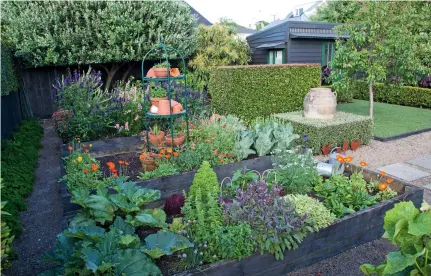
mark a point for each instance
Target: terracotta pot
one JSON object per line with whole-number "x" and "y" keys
{"x": 215, "y": 117}
{"x": 326, "y": 149}
{"x": 164, "y": 108}
{"x": 177, "y": 109}
{"x": 155, "y": 101}
{"x": 156, "y": 140}
{"x": 345, "y": 146}
{"x": 148, "y": 164}
{"x": 354, "y": 145}
{"x": 160, "y": 72}
{"x": 178, "y": 139}
{"x": 175, "y": 72}
{"x": 150, "y": 73}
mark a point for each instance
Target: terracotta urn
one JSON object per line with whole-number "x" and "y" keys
{"x": 156, "y": 140}
{"x": 354, "y": 145}
{"x": 345, "y": 146}
{"x": 150, "y": 73}
{"x": 320, "y": 103}
{"x": 326, "y": 149}
{"x": 155, "y": 101}
{"x": 164, "y": 108}
{"x": 160, "y": 72}
{"x": 148, "y": 164}
{"x": 177, "y": 109}
{"x": 178, "y": 139}
{"x": 175, "y": 72}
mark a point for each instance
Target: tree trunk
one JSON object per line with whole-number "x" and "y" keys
{"x": 110, "y": 73}
{"x": 370, "y": 89}
{"x": 129, "y": 68}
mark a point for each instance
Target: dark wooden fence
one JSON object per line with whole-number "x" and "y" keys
{"x": 11, "y": 113}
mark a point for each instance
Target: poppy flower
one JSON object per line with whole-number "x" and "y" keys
{"x": 175, "y": 154}
{"x": 222, "y": 160}
{"x": 79, "y": 159}
{"x": 115, "y": 175}
{"x": 142, "y": 156}
{"x": 85, "y": 171}
{"x": 363, "y": 164}
{"x": 382, "y": 173}
{"x": 389, "y": 180}
{"x": 94, "y": 167}
{"x": 167, "y": 156}
{"x": 169, "y": 150}
{"x": 162, "y": 151}
{"x": 86, "y": 150}
{"x": 126, "y": 163}
{"x": 114, "y": 170}
{"x": 110, "y": 164}
{"x": 348, "y": 159}
{"x": 383, "y": 186}
{"x": 121, "y": 162}
{"x": 70, "y": 148}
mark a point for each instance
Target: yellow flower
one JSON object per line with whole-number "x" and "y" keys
{"x": 79, "y": 159}
{"x": 91, "y": 145}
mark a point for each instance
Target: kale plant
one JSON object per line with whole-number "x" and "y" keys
{"x": 275, "y": 223}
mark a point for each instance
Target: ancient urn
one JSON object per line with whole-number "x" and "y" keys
{"x": 320, "y": 103}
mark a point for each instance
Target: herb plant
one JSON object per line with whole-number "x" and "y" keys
{"x": 164, "y": 168}
{"x": 157, "y": 91}
{"x": 406, "y": 227}
{"x": 164, "y": 64}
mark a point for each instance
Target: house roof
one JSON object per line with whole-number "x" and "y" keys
{"x": 244, "y": 30}
{"x": 274, "y": 45}
{"x": 315, "y": 33}
{"x": 200, "y": 18}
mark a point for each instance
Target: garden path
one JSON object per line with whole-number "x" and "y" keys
{"x": 42, "y": 220}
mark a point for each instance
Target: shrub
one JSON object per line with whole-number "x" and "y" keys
{"x": 18, "y": 162}
{"x": 304, "y": 205}
{"x": 205, "y": 181}
{"x": 344, "y": 127}
{"x": 253, "y": 91}
{"x": 9, "y": 80}
{"x": 6, "y": 239}
{"x": 402, "y": 95}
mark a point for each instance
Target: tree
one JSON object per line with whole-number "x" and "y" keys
{"x": 381, "y": 47}
{"x": 337, "y": 11}
{"x": 217, "y": 46}
{"x": 260, "y": 24}
{"x": 95, "y": 32}
{"x": 230, "y": 24}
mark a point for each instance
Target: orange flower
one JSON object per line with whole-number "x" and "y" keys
{"x": 389, "y": 180}
{"x": 86, "y": 150}
{"x": 167, "y": 156}
{"x": 70, "y": 148}
{"x": 222, "y": 160}
{"x": 383, "y": 186}
{"x": 169, "y": 150}
{"x": 85, "y": 171}
{"x": 207, "y": 140}
{"x": 348, "y": 159}
{"x": 363, "y": 164}
{"x": 94, "y": 167}
{"x": 340, "y": 159}
{"x": 382, "y": 173}
{"x": 175, "y": 154}
{"x": 115, "y": 175}
{"x": 114, "y": 170}
{"x": 121, "y": 162}
{"x": 126, "y": 163}
{"x": 110, "y": 164}
{"x": 84, "y": 146}
{"x": 162, "y": 151}
{"x": 142, "y": 156}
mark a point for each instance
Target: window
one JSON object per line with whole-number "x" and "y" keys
{"x": 275, "y": 57}
{"x": 328, "y": 49}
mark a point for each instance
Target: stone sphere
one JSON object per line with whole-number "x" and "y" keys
{"x": 320, "y": 103}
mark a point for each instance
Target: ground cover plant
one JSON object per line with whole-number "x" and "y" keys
{"x": 18, "y": 161}
{"x": 391, "y": 119}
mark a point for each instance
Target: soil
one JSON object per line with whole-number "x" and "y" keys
{"x": 133, "y": 169}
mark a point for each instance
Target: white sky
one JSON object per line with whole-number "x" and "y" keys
{"x": 245, "y": 12}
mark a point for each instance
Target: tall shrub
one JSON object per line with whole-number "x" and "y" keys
{"x": 93, "y": 32}
{"x": 9, "y": 80}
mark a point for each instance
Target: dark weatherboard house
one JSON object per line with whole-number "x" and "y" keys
{"x": 294, "y": 42}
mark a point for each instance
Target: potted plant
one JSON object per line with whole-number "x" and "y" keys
{"x": 157, "y": 93}
{"x": 161, "y": 69}
{"x": 156, "y": 136}
{"x": 148, "y": 163}
{"x": 178, "y": 138}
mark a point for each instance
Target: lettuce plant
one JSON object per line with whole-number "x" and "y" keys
{"x": 275, "y": 223}
{"x": 409, "y": 229}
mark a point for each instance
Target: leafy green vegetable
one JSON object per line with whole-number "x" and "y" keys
{"x": 164, "y": 243}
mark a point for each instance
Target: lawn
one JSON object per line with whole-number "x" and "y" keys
{"x": 390, "y": 119}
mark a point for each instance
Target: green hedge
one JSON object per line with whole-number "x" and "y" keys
{"x": 261, "y": 90}
{"x": 9, "y": 80}
{"x": 344, "y": 127}
{"x": 18, "y": 162}
{"x": 402, "y": 95}
{"x": 343, "y": 96}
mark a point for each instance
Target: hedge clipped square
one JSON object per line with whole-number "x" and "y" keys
{"x": 402, "y": 95}
{"x": 344, "y": 127}
{"x": 261, "y": 90}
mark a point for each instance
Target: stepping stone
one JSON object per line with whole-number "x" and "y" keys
{"x": 403, "y": 171}
{"x": 423, "y": 161}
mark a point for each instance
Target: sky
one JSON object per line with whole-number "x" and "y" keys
{"x": 243, "y": 12}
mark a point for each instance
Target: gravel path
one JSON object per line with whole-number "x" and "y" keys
{"x": 376, "y": 154}
{"x": 42, "y": 220}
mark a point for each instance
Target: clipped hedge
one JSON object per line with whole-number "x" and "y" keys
{"x": 402, "y": 95}
{"x": 18, "y": 162}
{"x": 9, "y": 79}
{"x": 343, "y": 95}
{"x": 260, "y": 90}
{"x": 344, "y": 127}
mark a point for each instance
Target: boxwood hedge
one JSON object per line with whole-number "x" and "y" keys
{"x": 344, "y": 127}
{"x": 260, "y": 90}
{"x": 402, "y": 95}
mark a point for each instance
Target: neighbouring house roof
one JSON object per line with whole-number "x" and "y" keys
{"x": 274, "y": 45}
{"x": 315, "y": 33}
{"x": 244, "y": 30}
{"x": 200, "y": 17}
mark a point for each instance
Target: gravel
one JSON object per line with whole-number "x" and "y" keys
{"x": 42, "y": 220}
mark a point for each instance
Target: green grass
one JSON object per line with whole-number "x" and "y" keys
{"x": 390, "y": 119}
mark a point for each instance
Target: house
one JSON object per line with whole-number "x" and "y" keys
{"x": 200, "y": 18}
{"x": 294, "y": 42}
{"x": 304, "y": 11}
{"x": 244, "y": 32}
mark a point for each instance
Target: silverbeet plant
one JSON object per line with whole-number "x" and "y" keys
{"x": 275, "y": 224}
